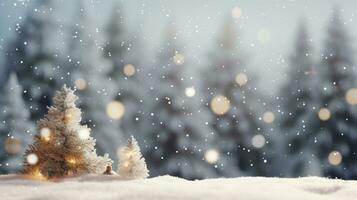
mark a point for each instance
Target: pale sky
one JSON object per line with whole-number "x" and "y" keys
{"x": 267, "y": 27}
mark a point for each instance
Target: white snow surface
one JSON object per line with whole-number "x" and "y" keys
{"x": 168, "y": 187}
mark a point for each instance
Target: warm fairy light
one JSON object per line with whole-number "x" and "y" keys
{"x": 129, "y": 70}
{"x": 220, "y": 105}
{"x": 115, "y": 110}
{"x": 190, "y": 91}
{"x": 32, "y": 159}
{"x": 324, "y": 114}
{"x": 83, "y": 133}
{"x": 258, "y": 141}
{"x": 241, "y": 79}
{"x": 351, "y": 96}
{"x": 80, "y": 84}
{"x": 335, "y": 158}
{"x": 268, "y": 117}
{"x": 45, "y": 134}
{"x": 212, "y": 156}
{"x": 12, "y": 146}
{"x": 126, "y": 164}
{"x": 71, "y": 160}
{"x": 236, "y": 12}
{"x": 68, "y": 117}
{"x": 179, "y": 59}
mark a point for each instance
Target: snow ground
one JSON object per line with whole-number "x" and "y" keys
{"x": 168, "y": 188}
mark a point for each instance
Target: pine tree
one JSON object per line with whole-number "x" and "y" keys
{"x": 15, "y": 129}
{"x": 336, "y": 134}
{"x": 179, "y": 132}
{"x": 298, "y": 118}
{"x": 131, "y": 163}
{"x": 125, "y": 73}
{"x": 89, "y": 75}
{"x": 33, "y": 55}
{"x": 63, "y": 146}
{"x": 236, "y": 108}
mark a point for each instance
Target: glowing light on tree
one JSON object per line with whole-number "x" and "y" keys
{"x": 236, "y": 12}
{"x": 32, "y": 159}
{"x": 212, "y": 156}
{"x": 84, "y": 133}
{"x": 258, "y": 141}
{"x": 115, "y": 110}
{"x": 129, "y": 70}
{"x": 80, "y": 84}
{"x": 241, "y": 79}
{"x": 324, "y": 114}
{"x": 351, "y": 96}
{"x": 220, "y": 105}
{"x": 335, "y": 158}
{"x": 45, "y": 134}
{"x": 268, "y": 117}
{"x": 190, "y": 91}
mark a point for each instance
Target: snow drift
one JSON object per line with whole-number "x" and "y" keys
{"x": 166, "y": 187}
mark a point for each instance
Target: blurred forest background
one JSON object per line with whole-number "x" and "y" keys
{"x": 194, "y": 116}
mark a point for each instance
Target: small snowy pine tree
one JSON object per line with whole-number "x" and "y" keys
{"x": 64, "y": 146}
{"x": 131, "y": 163}
{"x": 15, "y": 128}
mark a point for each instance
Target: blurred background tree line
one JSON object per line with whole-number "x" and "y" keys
{"x": 194, "y": 124}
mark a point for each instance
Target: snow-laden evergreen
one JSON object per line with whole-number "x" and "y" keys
{"x": 299, "y": 107}
{"x": 178, "y": 134}
{"x": 63, "y": 146}
{"x": 89, "y": 68}
{"x": 226, "y": 77}
{"x": 122, "y": 50}
{"x": 15, "y": 127}
{"x": 337, "y": 74}
{"x": 34, "y": 56}
{"x": 131, "y": 162}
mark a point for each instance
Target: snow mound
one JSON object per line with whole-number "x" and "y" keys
{"x": 93, "y": 187}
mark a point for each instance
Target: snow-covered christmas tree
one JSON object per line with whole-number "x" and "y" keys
{"x": 337, "y": 112}
{"x": 236, "y": 107}
{"x": 179, "y": 132}
{"x": 15, "y": 129}
{"x": 131, "y": 162}
{"x": 299, "y": 105}
{"x": 89, "y": 69}
{"x": 63, "y": 146}
{"x": 122, "y": 49}
{"x": 34, "y": 56}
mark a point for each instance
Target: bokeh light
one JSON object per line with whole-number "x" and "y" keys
{"x": 220, "y": 105}
{"x": 236, "y": 12}
{"x": 212, "y": 156}
{"x": 190, "y": 91}
{"x": 80, "y": 84}
{"x": 268, "y": 117}
{"x": 241, "y": 79}
{"x": 115, "y": 110}
{"x": 45, "y": 134}
{"x": 179, "y": 59}
{"x": 13, "y": 146}
{"x": 335, "y": 158}
{"x": 258, "y": 141}
{"x": 32, "y": 159}
{"x": 129, "y": 70}
{"x": 324, "y": 114}
{"x": 351, "y": 96}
